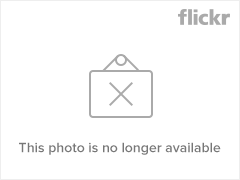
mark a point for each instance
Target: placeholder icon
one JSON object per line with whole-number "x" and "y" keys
{"x": 120, "y": 93}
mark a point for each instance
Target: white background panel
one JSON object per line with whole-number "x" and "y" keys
{"x": 47, "y": 52}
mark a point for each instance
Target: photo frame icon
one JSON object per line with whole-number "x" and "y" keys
{"x": 121, "y": 93}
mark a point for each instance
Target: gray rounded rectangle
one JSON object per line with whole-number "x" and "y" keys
{"x": 109, "y": 71}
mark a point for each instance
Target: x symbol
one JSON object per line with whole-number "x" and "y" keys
{"x": 120, "y": 94}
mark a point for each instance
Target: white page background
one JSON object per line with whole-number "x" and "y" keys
{"x": 48, "y": 49}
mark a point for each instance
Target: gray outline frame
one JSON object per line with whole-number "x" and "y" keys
{"x": 119, "y": 0}
{"x": 136, "y": 71}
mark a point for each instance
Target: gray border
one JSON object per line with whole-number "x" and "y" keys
{"x": 135, "y": 71}
{"x": 115, "y": 0}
